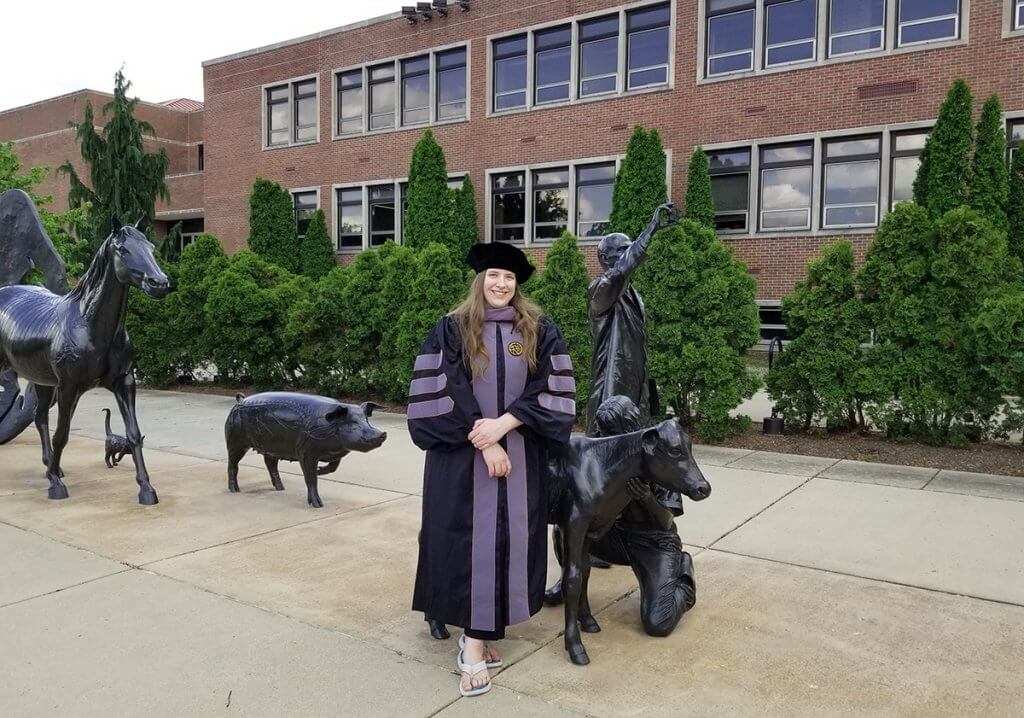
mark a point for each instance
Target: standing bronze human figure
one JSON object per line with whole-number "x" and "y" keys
{"x": 66, "y": 345}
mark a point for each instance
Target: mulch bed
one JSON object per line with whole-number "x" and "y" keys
{"x": 1002, "y": 459}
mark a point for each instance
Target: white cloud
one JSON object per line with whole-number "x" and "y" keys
{"x": 63, "y": 46}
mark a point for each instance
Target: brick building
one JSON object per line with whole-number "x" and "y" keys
{"x": 813, "y": 113}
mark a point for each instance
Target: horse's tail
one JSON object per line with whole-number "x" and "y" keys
{"x": 17, "y": 410}
{"x": 24, "y": 244}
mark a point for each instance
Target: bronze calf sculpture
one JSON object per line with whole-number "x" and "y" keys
{"x": 66, "y": 345}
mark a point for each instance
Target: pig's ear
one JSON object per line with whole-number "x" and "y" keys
{"x": 368, "y": 407}
{"x": 338, "y": 413}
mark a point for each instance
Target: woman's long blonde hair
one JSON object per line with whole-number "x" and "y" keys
{"x": 470, "y": 316}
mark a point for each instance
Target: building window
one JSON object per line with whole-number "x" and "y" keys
{"x": 851, "y": 179}
{"x": 855, "y": 26}
{"x": 791, "y": 31}
{"x": 200, "y": 157}
{"x": 350, "y": 102}
{"x": 647, "y": 47}
{"x": 730, "y": 188}
{"x": 508, "y": 209}
{"x": 278, "y": 129}
{"x": 594, "y": 185}
{"x": 1014, "y": 137}
{"x": 1018, "y": 15}
{"x": 382, "y": 213}
{"x": 906, "y": 160}
{"x": 552, "y": 64}
{"x": 928, "y": 21}
{"x": 350, "y": 218}
{"x": 416, "y": 91}
{"x": 550, "y": 203}
{"x": 306, "y": 111}
{"x": 382, "y": 96}
{"x": 451, "y": 84}
{"x": 305, "y": 204}
{"x": 730, "y": 36}
{"x": 599, "y": 56}
{"x": 786, "y": 173}
{"x": 510, "y": 73}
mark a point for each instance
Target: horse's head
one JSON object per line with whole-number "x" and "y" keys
{"x": 668, "y": 461}
{"x": 135, "y": 263}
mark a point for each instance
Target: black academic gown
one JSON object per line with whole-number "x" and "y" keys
{"x": 483, "y": 552}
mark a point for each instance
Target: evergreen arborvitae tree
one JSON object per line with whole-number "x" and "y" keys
{"x": 428, "y": 217}
{"x": 399, "y": 268}
{"x": 316, "y": 254}
{"x": 465, "y": 232}
{"x": 362, "y": 335}
{"x": 949, "y": 151}
{"x": 700, "y": 207}
{"x": 640, "y": 184}
{"x": 272, "y": 232}
{"x": 989, "y": 182}
{"x": 921, "y": 179}
{"x": 818, "y": 376}
{"x": 124, "y": 180}
{"x": 1015, "y": 206}
{"x": 561, "y": 292}
{"x": 701, "y": 319}
{"x": 316, "y": 329}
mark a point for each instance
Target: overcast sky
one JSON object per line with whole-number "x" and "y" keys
{"x": 53, "y": 48}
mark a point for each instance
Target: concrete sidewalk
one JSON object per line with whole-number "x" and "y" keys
{"x": 824, "y": 588}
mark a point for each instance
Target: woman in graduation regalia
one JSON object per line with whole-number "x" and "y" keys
{"x": 492, "y": 388}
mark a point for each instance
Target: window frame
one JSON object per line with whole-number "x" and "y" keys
{"x": 292, "y": 104}
{"x": 403, "y": 76}
{"x": 575, "y": 95}
{"x": 338, "y": 204}
{"x": 543, "y": 187}
{"x": 492, "y": 193}
{"x": 339, "y": 92}
{"x": 396, "y": 62}
{"x": 537, "y": 87}
{"x": 578, "y": 185}
{"x": 1013, "y": 146}
{"x": 435, "y": 83}
{"x": 370, "y": 232}
{"x": 710, "y": 15}
{"x": 294, "y": 192}
{"x": 849, "y": 33}
{"x": 630, "y": 34}
{"x": 763, "y": 166}
{"x": 493, "y": 68}
{"x": 899, "y": 25}
{"x": 791, "y": 43}
{"x": 826, "y": 162}
{"x": 1017, "y": 16}
{"x": 895, "y": 154}
{"x": 730, "y": 171}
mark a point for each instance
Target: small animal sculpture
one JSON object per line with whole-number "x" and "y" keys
{"x": 305, "y": 428}
{"x": 588, "y": 487}
{"x": 115, "y": 446}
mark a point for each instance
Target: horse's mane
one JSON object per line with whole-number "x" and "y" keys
{"x": 92, "y": 280}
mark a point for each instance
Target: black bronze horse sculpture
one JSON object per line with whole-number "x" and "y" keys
{"x": 66, "y": 345}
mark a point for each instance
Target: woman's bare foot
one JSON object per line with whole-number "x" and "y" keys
{"x": 474, "y": 653}
{"x": 491, "y": 654}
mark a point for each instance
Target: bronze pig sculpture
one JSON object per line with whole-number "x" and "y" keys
{"x": 305, "y": 428}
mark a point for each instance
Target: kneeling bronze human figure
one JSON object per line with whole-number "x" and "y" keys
{"x": 298, "y": 427}
{"x": 644, "y": 538}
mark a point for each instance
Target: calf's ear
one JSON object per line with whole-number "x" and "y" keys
{"x": 368, "y": 407}
{"x": 338, "y": 413}
{"x": 650, "y": 440}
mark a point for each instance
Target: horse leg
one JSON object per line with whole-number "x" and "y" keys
{"x": 572, "y": 586}
{"x": 67, "y": 400}
{"x": 44, "y": 397}
{"x": 124, "y": 391}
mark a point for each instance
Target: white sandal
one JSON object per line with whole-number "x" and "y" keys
{"x": 472, "y": 670}
{"x": 490, "y": 664}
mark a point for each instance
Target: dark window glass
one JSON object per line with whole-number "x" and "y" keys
{"x": 305, "y": 206}
{"x": 1016, "y": 131}
{"x": 382, "y": 213}
{"x": 200, "y": 157}
{"x": 382, "y": 96}
{"x": 594, "y": 198}
{"x": 906, "y": 159}
{"x": 851, "y": 180}
{"x": 928, "y": 20}
{"x": 508, "y": 212}
{"x": 1018, "y": 18}
{"x": 647, "y": 47}
{"x": 599, "y": 56}
{"x": 416, "y": 90}
{"x": 510, "y": 73}
{"x": 786, "y": 173}
{"x": 772, "y": 323}
{"x": 451, "y": 84}
{"x": 855, "y": 26}
{"x": 277, "y": 115}
{"x": 550, "y": 203}
{"x": 730, "y": 38}
{"x": 306, "y": 111}
{"x": 730, "y": 188}
{"x": 553, "y": 56}
{"x": 350, "y": 102}
{"x": 790, "y": 31}
{"x": 350, "y": 218}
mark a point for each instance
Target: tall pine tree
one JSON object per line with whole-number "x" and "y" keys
{"x": 640, "y": 184}
{"x": 272, "y": 232}
{"x": 429, "y": 212}
{"x": 124, "y": 180}
{"x": 989, "y": 182}
{"x": 700, "y": 207}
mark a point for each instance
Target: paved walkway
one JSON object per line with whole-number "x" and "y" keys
{"x": 824, "y": 588}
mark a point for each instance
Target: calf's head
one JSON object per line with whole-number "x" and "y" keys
{"x": 669, "y": 462}
{"x": 352, "y": 428}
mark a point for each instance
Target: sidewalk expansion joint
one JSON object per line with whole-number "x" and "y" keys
{"x": 65, "y": 588}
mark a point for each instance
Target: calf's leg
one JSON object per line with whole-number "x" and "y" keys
{"x": 309, "y": 466}
{"x": 275, "y": 475}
